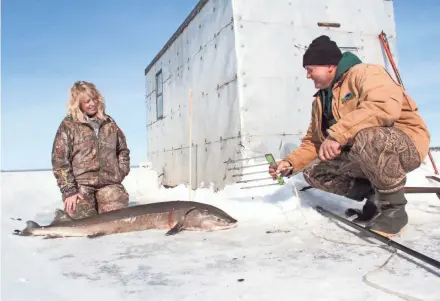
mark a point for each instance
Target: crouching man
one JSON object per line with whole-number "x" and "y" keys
{"x": 367, "y": 132}
{"x": 90, "y": 158}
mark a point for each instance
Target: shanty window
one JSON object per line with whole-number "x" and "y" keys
{"x": 159, "y": 97}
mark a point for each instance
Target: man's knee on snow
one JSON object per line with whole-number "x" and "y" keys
{"x": 112, "y": 197}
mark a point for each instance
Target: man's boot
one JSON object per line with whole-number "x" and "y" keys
{"x": 391, "y": 217}
{"x": 362, "y": 189}
{"x": 369, "y": 210}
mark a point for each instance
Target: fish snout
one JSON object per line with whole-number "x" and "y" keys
{"x": 215, "y": 223}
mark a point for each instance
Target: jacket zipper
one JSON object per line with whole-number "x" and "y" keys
{"x": 335, "y": 105}
{"x": 319, "y": 118}
{"x": 96, "y": 137}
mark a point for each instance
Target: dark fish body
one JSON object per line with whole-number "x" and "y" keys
{"x": 173, "y": 215}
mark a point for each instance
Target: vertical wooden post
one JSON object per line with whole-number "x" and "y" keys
{"x": 190, "y": 146}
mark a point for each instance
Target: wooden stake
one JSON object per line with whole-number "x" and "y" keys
{"x": 190, "y": 145}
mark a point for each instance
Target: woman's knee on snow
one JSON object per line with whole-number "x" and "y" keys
{"x": 112, "y": 197}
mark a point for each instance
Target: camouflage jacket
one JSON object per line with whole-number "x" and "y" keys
{"x": 84, "y": 155}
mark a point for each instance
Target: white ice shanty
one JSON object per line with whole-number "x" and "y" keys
{"x": 250, "y": 96}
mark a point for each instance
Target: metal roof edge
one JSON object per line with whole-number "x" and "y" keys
{"x": 177, "y": 33}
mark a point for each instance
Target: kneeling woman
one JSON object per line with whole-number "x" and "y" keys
{"x": 90, "y": 157}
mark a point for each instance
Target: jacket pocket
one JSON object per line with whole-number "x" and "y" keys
{"x": 348, "y": 105}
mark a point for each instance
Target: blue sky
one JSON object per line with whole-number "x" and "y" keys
{"x": 48, "y": 45}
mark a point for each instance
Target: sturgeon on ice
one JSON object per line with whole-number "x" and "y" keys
{"x": 173, "y": 215}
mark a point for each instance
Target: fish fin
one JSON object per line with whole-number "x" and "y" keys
{"x": 179, "y": 225}
{"x": 95, "y": 235}
{"x": 28, "y": 230}
{"x": 61, "y": 217}
{"x": 176, "y": 229}
{"x": 32, "y": 225}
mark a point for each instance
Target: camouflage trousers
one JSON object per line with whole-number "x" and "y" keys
{"x": 98, "y": 200}
{"x": 379, "y": 159}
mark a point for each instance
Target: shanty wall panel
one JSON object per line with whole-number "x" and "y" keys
{"x": 202, "y": 59}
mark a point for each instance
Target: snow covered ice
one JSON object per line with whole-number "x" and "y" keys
{"x": 282, "y": 248}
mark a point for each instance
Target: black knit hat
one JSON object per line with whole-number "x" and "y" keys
{"x": 322, "y": 51}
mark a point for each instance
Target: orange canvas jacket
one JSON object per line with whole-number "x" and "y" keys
{"x": 376, "y": 100}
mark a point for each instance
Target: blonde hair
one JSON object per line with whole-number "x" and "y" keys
{"x": 73, "y": 106}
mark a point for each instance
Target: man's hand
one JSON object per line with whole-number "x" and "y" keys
{"x": 283, "y": 168}
{"x": 329, "y": 149}
{"x": 70, "y": 203}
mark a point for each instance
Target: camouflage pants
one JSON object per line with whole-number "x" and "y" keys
{"x": 379, "y": 158}
{"x": 98, "y": 200}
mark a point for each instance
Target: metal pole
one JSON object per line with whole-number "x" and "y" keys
{"x": 433, "y": 163}
{"x": 386, "y": 46}
{"x": 411, "y": 189}
{"x": 434, "y": 178}
{"x": 382, "y": 238}
{"x": 421, "y": 189}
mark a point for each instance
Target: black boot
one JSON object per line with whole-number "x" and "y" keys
{"x": 391, "y": 217}
{"x": 360, "y": 190}
{"x": 369, "y": 210}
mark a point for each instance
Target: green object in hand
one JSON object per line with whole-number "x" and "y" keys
{"x": 274, "y": 165}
